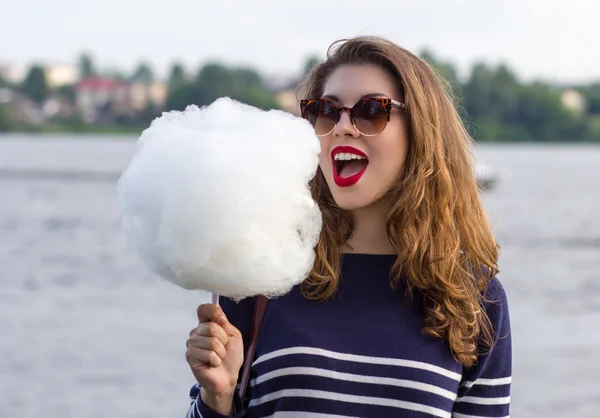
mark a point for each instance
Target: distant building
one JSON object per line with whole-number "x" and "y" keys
{"x": 574, "y": 101}
{"x": 21, "y": 109}
{"x": 144, "y": 95}
{"x": 287, "y": 101}
{"x": 6, "y": 96}
{"x": 99, "y": 98}
{"x": 102, "y": 99}
{"x": 14, "y": 74}
{"x": 57, "y": 106}
{"x": 58, "y": 75}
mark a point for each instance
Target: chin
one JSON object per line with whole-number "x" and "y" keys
{"x": 358, "y": 196}
{"x": 350, "y": 206}
{"x": 351, "y": 200}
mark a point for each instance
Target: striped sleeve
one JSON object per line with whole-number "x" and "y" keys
{"x": 485, "y": 387}
{"x": 199, "y": 409}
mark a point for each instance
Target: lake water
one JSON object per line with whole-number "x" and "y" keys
{"x": 86, "y": 331}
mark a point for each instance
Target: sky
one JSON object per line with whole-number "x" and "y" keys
{"x": 553, "y": 40}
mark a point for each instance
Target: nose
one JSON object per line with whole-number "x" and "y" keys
{"x": 344, "y": 126}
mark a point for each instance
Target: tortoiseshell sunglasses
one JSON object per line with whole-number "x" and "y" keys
{"x": 369, "y": 116}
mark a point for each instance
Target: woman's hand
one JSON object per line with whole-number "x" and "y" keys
{"x": 215, "y": 353}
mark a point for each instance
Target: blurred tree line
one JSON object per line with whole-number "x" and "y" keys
{"x": 496, "y": 106}
{"x": 216, "y": 80}
{"x": 494, "y": 103}
{"x": 6, "y": 122}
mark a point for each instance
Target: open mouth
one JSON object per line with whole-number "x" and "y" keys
{"x": 349, "y": 165}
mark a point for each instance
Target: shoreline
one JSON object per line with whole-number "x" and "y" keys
{"x": 111, "y": 133}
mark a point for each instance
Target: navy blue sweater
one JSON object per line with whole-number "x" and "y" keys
{"x": 362, "y": 353}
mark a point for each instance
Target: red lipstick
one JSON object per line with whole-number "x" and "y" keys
{"x": 352, "y": 179}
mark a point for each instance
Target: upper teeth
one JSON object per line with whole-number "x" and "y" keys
{"x": 347, "y": 156}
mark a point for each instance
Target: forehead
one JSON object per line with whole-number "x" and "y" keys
{"x": 349, "y": 83}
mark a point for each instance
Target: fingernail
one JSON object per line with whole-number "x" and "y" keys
{"x": 222, "y": 320}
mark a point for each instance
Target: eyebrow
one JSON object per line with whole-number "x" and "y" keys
{"x": 336, "y": 99}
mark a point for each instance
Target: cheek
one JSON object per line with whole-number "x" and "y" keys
{"x": 392, "y": 154}
{"x": 324, "y": 160}
{"x": 325, "y": 165}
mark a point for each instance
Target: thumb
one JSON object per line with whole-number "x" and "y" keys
{"x": 232, "y": 331}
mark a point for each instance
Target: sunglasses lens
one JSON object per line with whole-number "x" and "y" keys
{"x": 370, "y": 117}
{"x": 322, "y": 115}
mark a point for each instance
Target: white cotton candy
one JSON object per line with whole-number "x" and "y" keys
{"x": 217, "y": 199}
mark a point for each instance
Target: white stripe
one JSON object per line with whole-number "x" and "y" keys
{"x": 313, "y": 371}
{"x": 484, "y": 401}
{"x": 319, "y": 394}
{"x": 489, "y": 382}
{"x": 189, "y": 412}
{"x": 298, "y": 414}
{"x": 199, "y": 415}
{"x": 358, "y": 359}
{"x": 457, "y": 415}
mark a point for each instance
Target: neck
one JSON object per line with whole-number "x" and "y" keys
{"x": 369, "y": 234}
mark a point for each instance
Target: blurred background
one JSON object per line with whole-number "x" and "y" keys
{"x": 86, "y": 330}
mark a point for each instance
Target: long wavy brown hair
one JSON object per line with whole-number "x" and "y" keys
{"x": 436, "y": 221}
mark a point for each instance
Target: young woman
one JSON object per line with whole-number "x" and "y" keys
{"x": 402, "y": 315}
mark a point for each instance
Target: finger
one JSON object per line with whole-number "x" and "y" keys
{"x": 211, "y": 329}
{"x": 208, "y": 343}
{"x": 231, "y": 331}
{"x": 199, "y": 357}
{"x": 209, "y": 312}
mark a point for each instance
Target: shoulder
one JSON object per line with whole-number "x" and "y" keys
{"x": 485, "y": 386}
{"x": 495, "y": 291}
{"x": 495, "y": 305}
{"x": 495, "y": 302}
{"x": 495, "y": 360}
